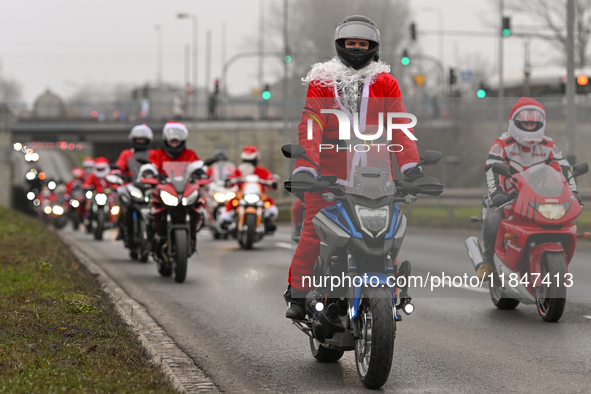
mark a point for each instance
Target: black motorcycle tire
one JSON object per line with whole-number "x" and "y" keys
{"x": 376, "y": 324}
{"x": 323, "y": 354}
{"x": 100, "y": 225}
{"x": 75, "y": 222}
{"x": 250, "y": 221}
{"x": 505, "y": 304}
{"x": 551, "y": 305}
{"x": 181, "y": 255}
{"x": 141, "y": 241}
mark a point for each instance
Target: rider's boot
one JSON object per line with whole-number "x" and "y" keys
{"x": 484, "y": 269}
{"x": 297, "y": 303}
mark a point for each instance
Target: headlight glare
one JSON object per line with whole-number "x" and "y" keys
{"x": 251, "y": 198}
{"x": 58, "y": 210}
{"x": 100, "y": 198}
{"x": 552, "y": 211}
{"x": 169, "y": 199}
{"x": 219, "y": 197}
{"x": 373, "y": 221}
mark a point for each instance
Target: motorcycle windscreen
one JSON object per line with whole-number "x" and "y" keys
{"x": 221, "y": 171}
{"x": 369, "y": 166}
{"x": 544, "y": 180}
{"x": 175, "y": 169}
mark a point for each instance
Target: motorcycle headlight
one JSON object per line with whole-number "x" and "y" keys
{"x": 30, "y": 196}
{"x": 89, "y": 194}
{"x": 169, "y": 199}
{"x": 47, "y": 209}
{"x": 230, "y": 195}
{"x": 115, "y": 210}
{"x": 100, "y": 198}
{"x": 219, "y": 197}
{"x": 74, "y": 203}
{"x": 251, "y": 198}
{"x": 137, "y": 195}
{"x": 191, "y": 198}
{"x": 552, "y": 211}
{"x": 373, "y": 221}
{"x": 57, "y": 210}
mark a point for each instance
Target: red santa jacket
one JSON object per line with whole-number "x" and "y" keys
{"x": 159, "y": 157}
{"x": 98, "y": 184}
{"x": 506, "y": 150}
{"x": 127, "y": 162}
{"x": 382, "y": 96}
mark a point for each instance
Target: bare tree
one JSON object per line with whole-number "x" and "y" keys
{"x": 552, "y": 15}
{"x": 312, "y": 23}
{"x": 10, "y": 90}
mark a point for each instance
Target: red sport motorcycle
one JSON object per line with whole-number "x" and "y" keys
{"x": 535, "y": 242}
{"x": 176, "y": 216}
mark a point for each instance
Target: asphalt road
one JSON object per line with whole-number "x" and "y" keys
{"x": 229, "y": 317}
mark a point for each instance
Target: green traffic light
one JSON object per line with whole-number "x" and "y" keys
{"x": 266, "y": 95}
{"x": 506, "y": 32}
{"x": 405, "y": 61}
{"x": 287, "y": 59}
{"x": 481, "y": 93}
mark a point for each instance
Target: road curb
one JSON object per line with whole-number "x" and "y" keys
{"x": 185, "y": 376}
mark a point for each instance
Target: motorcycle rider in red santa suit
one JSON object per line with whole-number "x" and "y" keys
{"x": 522, "y": 146}
{"x": 350, "y": 82}
{"x": 174, "y": 146}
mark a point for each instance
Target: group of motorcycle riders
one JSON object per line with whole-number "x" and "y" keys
{"x": 354, "y": 74}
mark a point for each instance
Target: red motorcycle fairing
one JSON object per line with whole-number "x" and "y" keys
{"x": 524, "y": 224}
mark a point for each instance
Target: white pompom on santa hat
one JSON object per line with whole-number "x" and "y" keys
{"x": 250, "y": 153}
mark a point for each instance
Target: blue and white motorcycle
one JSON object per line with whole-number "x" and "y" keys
{"x": 358, "y": 285}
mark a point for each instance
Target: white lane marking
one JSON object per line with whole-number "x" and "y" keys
{"x": 284, "y": 245}
{"x": 587, "y": 316}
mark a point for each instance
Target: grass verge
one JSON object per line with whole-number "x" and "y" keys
{"x": 58, "y": 330}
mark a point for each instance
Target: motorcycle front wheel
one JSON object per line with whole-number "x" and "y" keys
{"x": 100, "y": 225}
{"x": 323, "y": 354}
{"x": 374, "y": 349}
{"x": 181, "y": 255}
{"x": 551, "y": 298}
{"x": 249, "y": 235}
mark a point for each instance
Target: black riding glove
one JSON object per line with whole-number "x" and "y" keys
{"x": 499, "y": 198}
{"x": 413, "y": 174}
{"x": 577, "y": 196}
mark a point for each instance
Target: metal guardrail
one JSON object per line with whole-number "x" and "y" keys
{"x": 452, "y": 198}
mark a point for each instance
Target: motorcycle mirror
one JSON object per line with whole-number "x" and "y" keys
{"x": 502, "y": 169}
{"x": 293, "y": 151}
{"x": 277, "y": 177}
{"x": 114, "y": 179}
{"x": 580, "y": 169}
{"x": 431, "y": 157}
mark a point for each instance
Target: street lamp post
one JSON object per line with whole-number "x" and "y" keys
{"x": 159, "y": 56}
{"x": 194, "y": 87}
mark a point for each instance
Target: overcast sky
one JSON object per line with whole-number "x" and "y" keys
{"x": 63, "y": 44}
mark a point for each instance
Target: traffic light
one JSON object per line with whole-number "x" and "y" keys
{"x": 481, "y": 93}
{"x": 266, "y": 95}
{"x": 453, "y": 78}
{"x": 413, "y": 31}
{"x": 405, "y": 60}
{"x": 506, "y": 26}
{"x": 287, "y": 58}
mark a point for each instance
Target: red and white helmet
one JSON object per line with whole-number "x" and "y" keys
{"x": 78, "y": 173}
{"x": 527, "y": 122}
{"x": 250, "y": 154}
{"x": 88, "y": 165}
{"x": 101, "y": 167}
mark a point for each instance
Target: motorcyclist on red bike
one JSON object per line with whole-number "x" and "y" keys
{"x": 78, "y": 175}
{"x": 522, "y": 146}
{"x": 250, "y": 158}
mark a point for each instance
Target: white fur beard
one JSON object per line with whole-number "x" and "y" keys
{"x": 347, "y": 79}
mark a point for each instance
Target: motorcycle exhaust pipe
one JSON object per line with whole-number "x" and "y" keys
{"x": 474, "y": 250}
